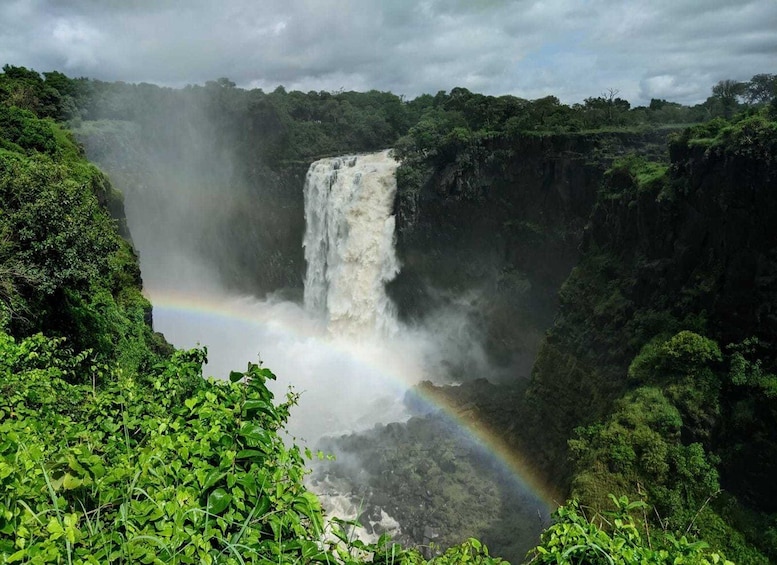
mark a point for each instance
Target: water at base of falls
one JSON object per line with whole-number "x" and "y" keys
{"x": 349, "y": 243}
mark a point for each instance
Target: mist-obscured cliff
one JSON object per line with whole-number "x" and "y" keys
{"x": 213, "y": 174}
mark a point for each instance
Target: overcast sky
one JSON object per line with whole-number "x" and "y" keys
{"x": 673, "y": 49}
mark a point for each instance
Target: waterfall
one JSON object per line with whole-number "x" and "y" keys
{"x": 349, "y": 243}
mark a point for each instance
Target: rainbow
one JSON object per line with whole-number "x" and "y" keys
{"x": 179, "y": 307}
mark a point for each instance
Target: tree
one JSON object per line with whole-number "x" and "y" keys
{"x": 222, "y": 82}
{"x": 606, "y": 109}
{"x": 761, "y": 89}
{"x": 684, "y": 368}
{"x": 728, "y": 93}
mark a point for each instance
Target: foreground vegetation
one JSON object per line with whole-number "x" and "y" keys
{"x": 173, "y": 468}
{"x": 113, "y": 448}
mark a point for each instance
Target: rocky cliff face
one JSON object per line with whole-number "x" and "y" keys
{"x": 534, "y": 236}
{"x": 692, "y": 249}
{"x": 497, "y": 234}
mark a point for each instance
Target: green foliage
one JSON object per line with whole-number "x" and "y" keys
{"x": 640, "y": 444}
{"x": 686, "y": 366}
{"x": 461, "y": 119}
{"x": 645, "y": 175}
{"x": 761, "y": 89}
{"x": 277, "y": 127}
{"x": 746, "y": 368}
{"x": 702, "y": 134}
{"x": 160, "y": 468}
{"x": 59, "y": 228}
{"x": 22, "y": 128}
{"x": 64, "y": 269}
{"x": 651, "y": 445}
{"x": 752, "y": 135}
{"x": 26, "y": 89}
{"x": 471, "y": 551}
{"x": 686, "y": 353}
{"x": 614, "y": 538}
{"x": 725, "y": 96}
{"x": 180, "y": 469}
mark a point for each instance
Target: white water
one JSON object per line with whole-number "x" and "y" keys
{"x": 349, "y": 250}
{"x": 349, "y": 243}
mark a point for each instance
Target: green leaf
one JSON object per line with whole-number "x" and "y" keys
{"x": 218, "y": 501}
{"x": 262, "y": 506}
{"x": 311, "y": 550}
{"x": 250, "y": 454}
{"x": 70, "y": 482}
{"x": 18, "y": 556}
{"x": 255, "y": 433}
{"x": 235, "y": 376}
{"x": 213, "y": 477}
{"x": 339, "y": 533}
{"x": 251, "y": 407}
{"x": 55, "y": 529}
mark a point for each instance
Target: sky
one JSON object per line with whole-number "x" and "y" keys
{"x": 573, "y": 49}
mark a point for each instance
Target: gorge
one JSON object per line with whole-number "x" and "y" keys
{"x": 565, "y": 313}
{"x": 354, "y": 365}
{"x": 486, "y": 244}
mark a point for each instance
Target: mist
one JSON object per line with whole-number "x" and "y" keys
{"x": 343, "y": 385}
{"x": 343, "y": 352}
{"x": 220, "y": 234}
{"x": 221, "y": 254}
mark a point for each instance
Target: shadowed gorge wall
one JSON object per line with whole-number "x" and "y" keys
{"x": 688, "y": 249}
{"x": 616, "y": 253}
{"x": 495, "y": 230}
{"x": 694, "y": 246}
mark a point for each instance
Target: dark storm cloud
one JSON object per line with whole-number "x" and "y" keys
{"x": 571, "y": 48}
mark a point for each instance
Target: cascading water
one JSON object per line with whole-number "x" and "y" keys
{"x": 349, "y": 243}
{"x": 349, "y": 249}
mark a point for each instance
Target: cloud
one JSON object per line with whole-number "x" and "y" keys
{"x": 675, "y": 49}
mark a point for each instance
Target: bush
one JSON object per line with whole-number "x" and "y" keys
{"x": 614, "y": 538}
